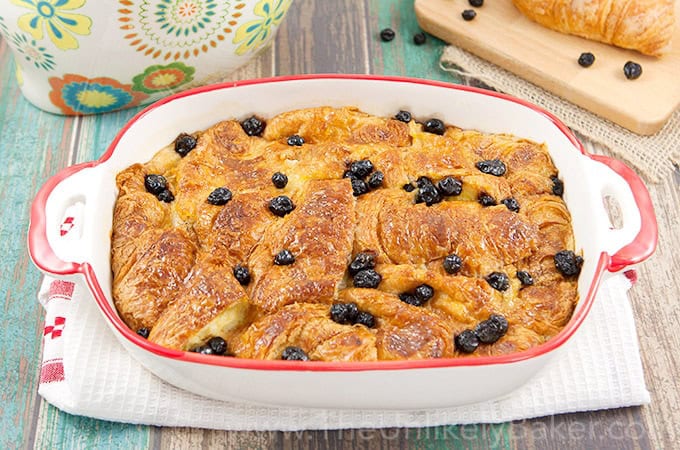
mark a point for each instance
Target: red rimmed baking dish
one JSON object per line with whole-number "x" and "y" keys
{"x": 385, "y": 384}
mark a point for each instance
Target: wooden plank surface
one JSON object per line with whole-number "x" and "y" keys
{"x": 318, "y": 36}
{"x": 502, "y": 35}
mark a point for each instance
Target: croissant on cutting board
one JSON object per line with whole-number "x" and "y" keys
{"x": 643, "y": 25}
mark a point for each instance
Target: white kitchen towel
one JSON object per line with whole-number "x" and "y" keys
{"x": 85, "y": 371}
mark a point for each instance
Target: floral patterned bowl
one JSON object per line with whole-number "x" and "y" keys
{"x": 79, "y": 57}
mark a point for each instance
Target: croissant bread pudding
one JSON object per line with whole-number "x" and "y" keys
{"x": 334, "y": 235}
{"x": 643, "y": 25}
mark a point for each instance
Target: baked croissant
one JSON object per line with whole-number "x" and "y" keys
{"x": 643, "y": 25}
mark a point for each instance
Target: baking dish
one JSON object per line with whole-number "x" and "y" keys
{"x": 84, "y": 257}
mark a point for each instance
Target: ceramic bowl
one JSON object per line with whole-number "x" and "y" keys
{"x": 85, "y": 57}
{"x": 84, "y": 258}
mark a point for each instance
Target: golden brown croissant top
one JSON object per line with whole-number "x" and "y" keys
{"x": 643, "y": 25}
{"x": 190, "y": 266}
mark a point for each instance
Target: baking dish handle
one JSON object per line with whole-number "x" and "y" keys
{"x": 49, "y": 207}
{"x": 644, "y": 243}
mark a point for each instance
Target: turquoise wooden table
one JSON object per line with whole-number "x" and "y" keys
{"x": 318, "y": 36}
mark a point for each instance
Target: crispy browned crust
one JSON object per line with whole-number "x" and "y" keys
{"x": 173, "y": 262}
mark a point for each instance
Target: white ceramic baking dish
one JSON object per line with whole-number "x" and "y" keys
{"x": 398, "y": 384}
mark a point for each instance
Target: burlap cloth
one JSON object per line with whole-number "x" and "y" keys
{"x": 653, "y": 156}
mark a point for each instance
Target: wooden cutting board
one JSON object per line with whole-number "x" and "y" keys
{"x": 502, "y": 35}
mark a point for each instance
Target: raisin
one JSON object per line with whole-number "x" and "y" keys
{"x": 280, "y": 180}
{"x": 218, "y": 345}
{"x": 467, "y": 341}
{"x": 387, "y": 34}
{"x": 453, "y": 264}
{"x": 408, "y": 187}
{"x": 558, "y": 186}
{"x": 494, "y": 167}
{"x": 292, "y": 353}
{"x": 492, "y": 329}
{"x": 366, "y": 319}
{"x": 586, "y": 59}
{"x": 155, "y": 184}
{"x": 253, "y": 126}
{"x": 525, "y": 278}
{"x": 498, "y": 281}
{"x": 450, "y": 186}
{"x": 362, "y": 168}
{"x": 424, "y": 292}
{"x": 284, "y": 258}
{"x": 184, "y": 143}
{"x": 632, "y": 70}
{"x": 144, "y": 332}
{"x": 361, "y": 261}
{"x": 165, "y": 196}
{"x": 344, "y": 313}
{"x": 476, "y": 3}
{"x": 242, "y": 274}
{"x": 568, "y": 263}
{"x": 359, "y": 187}
{"x": 281, "y": 205}
{"x": 203, "y": 349}
{"x": 511, "y": 204}
{"x": 403, "y": 116}
{"x": 427, "y": 192}
{"x": 411, "y": 299}
{"x": 434, "y": 126}
{"x": 376, "y": 180}
{"x": 419, "y": 38}
{"x": 295, "y": 140}
{"x": 485, "y": 199}
{"x": 368, "y": 278}
{"x": 219, "y": 196}
{"x": 469, "y": 14}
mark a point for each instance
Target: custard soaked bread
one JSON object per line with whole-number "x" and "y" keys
{"x": 330, "y": 234}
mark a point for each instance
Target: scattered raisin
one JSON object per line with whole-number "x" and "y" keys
{"x": 469, "y": 14}
{"x": 558, "y": 186}
{"x": 525, "y": 278}
{"x": 253, "y": 126}
{"x": 184, "y": 143}
{"x": 492, "y": 329}
{"x": 586, "y": 59}
{"x": 411, "y": 299}
{"x": 219, "y": 196}
{"x": 376, "y": 180}
{"x": 366, "y": 319}
{"x": 424, "y": 292}
{"x": 281, "y": 205}
{"x": 144, "y": 332}
{"x": 387, "y": 34}
{"x": 284, "y": 258}
{"x": 419, "y": 38}
{"x": 511, "y": 204}
{"x": 408, "y": 187}
{"x": 155, "y": 184}
{"x": 450, "y": 186}
{"x": 295, "y": 140}
{"x": 453, "y": 264}
{"x": 466, "y": 341}
{"x": 498, "y": 281}
{"x": 280, "y": 180}
{"x": 242, "y": 274}
{"x": 359, "y": 187}
{"x": 632, "y": 70}
{"x": 427, "y": 192}
{"x": 485, "y": 199}
{"x": 494, "y": 167}
{"x": 368, "y": 278}
{"x": 218, "y": 345}
{"x": 403, "y": 116}
{"x": 434, "y": 126}
{"x": 476, "y": 3}
{"x": 361, "y": 261}
{"x": 344, "y": 313}
{"x": 165, "y": 196}
{"x": 203, "y": 349}
{"x": 568, "y": 263}
{"x": 362, "y": 168}
{"x": 292, "y": 353}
